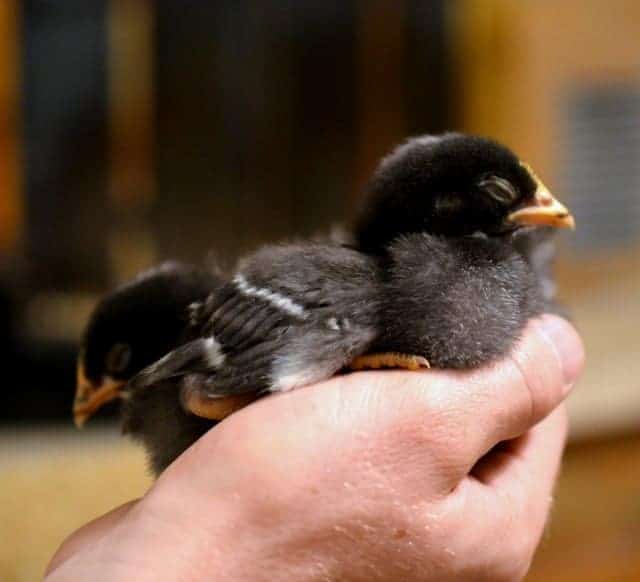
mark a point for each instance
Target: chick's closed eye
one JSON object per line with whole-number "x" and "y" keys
{"x": 118, "y": 358}
{"x": 500, "y": 189}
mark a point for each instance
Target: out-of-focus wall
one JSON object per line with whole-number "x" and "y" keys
{"x": 143, "y": 131}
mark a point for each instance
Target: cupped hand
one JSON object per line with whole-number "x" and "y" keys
{"x": 432, "y": 475}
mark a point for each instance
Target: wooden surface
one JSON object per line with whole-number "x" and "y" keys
{"x": 594, "y": 533}
{"x": 52, "y": 482}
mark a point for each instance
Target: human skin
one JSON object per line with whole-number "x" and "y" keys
{"x": 413, "y": 476}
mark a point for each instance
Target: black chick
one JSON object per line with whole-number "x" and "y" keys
{"x": 129, "y": 329}
{"x": 452, "y": 220}
{"x": 439, "y": 234}
{"x": 292, "y": 315}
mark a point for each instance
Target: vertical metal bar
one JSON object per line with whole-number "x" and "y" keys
{"x": 131, "y": 135}
{"x": 11, "y": 209}
{"x": 380, "y": 70}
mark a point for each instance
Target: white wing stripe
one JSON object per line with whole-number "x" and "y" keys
{"x": 276, "y": 299}
{"x": 213, "y": 354}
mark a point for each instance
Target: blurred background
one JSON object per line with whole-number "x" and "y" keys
{"x": 133, "y": 131}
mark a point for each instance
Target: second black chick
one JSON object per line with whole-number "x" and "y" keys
{"x": 131, "y": 328}
{"x": 452, "y": 220}
{"x": 538, "y": 248}
{"x": 292, "y": 315}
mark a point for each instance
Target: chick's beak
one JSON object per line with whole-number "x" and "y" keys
{"x": 90, "y": 397}
{"x": 545, "y": 210}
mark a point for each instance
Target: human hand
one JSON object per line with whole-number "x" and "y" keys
{"x": 433, "y": 475}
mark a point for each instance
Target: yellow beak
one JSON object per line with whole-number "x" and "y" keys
{"x": 90, "y": 397}
{"x": 546, "y": 210}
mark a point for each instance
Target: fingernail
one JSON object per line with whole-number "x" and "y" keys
{"x": 568, "y": 346}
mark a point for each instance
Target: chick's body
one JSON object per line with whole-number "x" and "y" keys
{"x": 155, "y": 418}
{"x": 292, "y": 315}
{"x": 459, "y": 302}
